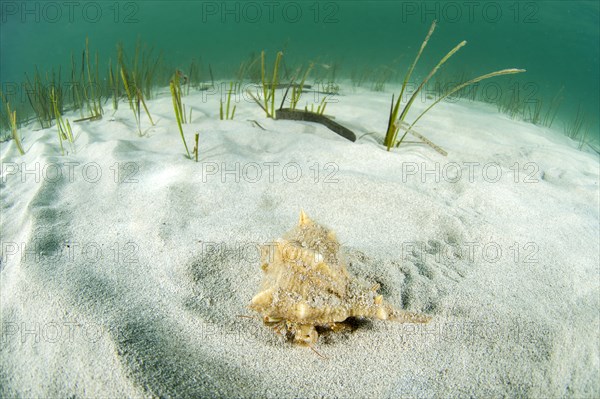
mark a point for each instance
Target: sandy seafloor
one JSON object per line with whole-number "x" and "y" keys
{"x": 110, "y": 288}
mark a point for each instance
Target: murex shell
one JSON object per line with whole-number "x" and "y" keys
{"x": 306, "y": 285}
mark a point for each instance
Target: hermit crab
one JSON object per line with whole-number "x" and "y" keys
{"x": 307, "y": 288}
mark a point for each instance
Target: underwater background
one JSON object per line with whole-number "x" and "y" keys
{"x": 369, "y": 42}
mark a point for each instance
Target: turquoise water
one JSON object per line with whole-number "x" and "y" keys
{"x": 556, "y": 41}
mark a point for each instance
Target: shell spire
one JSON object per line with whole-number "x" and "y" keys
{"x": 304, "y": 220}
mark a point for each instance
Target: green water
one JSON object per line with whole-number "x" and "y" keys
{"x": 556, "y": 41}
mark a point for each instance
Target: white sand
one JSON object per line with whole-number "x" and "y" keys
{"x": 137, "y": 306}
